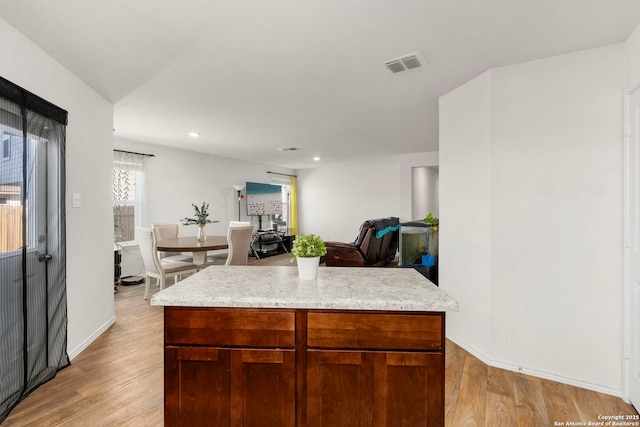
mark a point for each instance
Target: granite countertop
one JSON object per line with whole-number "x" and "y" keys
{"x": 341, "y": 288}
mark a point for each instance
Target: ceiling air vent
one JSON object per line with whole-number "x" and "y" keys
{"x": 403, "y": 63}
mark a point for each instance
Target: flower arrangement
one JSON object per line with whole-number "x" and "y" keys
{"x": 201, "y": 217}
{"x": 308, "y": 246}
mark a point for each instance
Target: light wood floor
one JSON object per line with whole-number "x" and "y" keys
{"x": 117, "y": 381}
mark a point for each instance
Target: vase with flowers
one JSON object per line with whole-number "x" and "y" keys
{"x": 201, "y": 219}
{"x": 307, "y": 250}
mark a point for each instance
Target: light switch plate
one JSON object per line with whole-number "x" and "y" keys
{"x": 77, "y": 200}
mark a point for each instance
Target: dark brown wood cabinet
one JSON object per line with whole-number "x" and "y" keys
{"x": 373, "y": 389}
{"x": 270, "y": 367}
{"x": 339, "y": 388}
{"x": 408, "y": 389}
{"x": 229, "y": 387}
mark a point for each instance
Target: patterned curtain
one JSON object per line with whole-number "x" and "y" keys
{"x": 129, "y": 172}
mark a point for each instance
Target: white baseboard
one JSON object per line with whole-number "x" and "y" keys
{"x": 533, "y": 372}
{"x": 76, "y": 351}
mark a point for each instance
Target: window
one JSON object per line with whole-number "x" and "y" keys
{"x": 12, "y": 186}
{"x": 283, "y": 220}
{"x": 11, "y": 169}
{"x": 129, "y": 170}
{"x": 6, "y": 147}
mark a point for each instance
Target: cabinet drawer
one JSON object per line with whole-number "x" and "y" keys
{"x": 229, "y": 328}
{"x": 375, "y": 331}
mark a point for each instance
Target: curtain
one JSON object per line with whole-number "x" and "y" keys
{"x": 33, "y": 306}
{"x": 129, "y": 207}
{"x": 294, "y": 207}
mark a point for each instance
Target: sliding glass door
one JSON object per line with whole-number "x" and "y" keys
{"x": 33, "y": 315}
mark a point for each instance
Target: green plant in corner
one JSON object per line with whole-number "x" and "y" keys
{"x": 432, "y": 222}
{"x": 308, "y": 246}
{"x": 201, "y": 216}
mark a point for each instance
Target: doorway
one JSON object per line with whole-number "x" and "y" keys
{"x": 424, "y": 192}
{"x": 33, "y": 313}
{"x": 631, "y": 295}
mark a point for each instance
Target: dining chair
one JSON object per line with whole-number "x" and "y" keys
{"x": 239, "y": 240}
{"x": 238, "y": 223}
{"x": 170, "y": 231}
{"x": 220, "y": 256}
{"x": 253, "y": 237}
{"x": 160, "y": 269}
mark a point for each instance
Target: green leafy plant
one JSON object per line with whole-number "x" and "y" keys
{"x": 308, "y": 246}
{"x": 432, "y": 221}
{"x": 201, "y": 215}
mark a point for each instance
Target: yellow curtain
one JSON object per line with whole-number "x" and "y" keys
{"x": 294, "y": 208}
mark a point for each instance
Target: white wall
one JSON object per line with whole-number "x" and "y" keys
{"x": 334, "y": 201}
{"x": 408, "y": 162}
{"x": 464, "y": 258}
{"x": 632, "y": 60}
{"x": 531, "y": 192}
{"x": 630, "y": 326}
{"x": 88, "y": 172}
{"x": 424, "y": 192}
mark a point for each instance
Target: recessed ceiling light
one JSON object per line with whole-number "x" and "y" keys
{"x": 194, "y": 134}
{"x": 316, "y": 159}
{"x": 289, "y": 149}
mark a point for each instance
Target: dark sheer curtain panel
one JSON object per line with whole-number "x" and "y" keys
{"x": 33, "y": 302}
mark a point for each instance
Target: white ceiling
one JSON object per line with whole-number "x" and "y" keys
{"x": 252, "y": 75}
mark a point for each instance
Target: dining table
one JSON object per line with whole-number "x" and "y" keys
{"x": 191, "y": 244}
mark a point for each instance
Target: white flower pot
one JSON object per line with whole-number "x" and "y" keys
{"x": 308, "y": 267}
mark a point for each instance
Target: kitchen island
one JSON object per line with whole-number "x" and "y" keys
{"x": 256, "y": 346}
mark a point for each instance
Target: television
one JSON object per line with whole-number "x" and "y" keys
{"x": 263, "y": 199}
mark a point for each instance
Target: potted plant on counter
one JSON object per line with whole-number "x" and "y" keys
{"x": 201, "y": 219}
{"x": 307, "y": 250}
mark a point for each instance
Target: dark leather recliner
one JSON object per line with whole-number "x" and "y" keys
{"x": 368, "y": 250}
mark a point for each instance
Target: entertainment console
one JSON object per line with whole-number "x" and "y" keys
{"x": 269, "y": 242}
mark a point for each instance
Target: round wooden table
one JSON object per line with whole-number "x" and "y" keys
{"x": 191, "y": 244}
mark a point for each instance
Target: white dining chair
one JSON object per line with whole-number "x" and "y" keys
{"x": 170, "y": 231}
{"x": 159, "y": 269}
{"x": 239, "y": 240}
{"x": 220, "y": 256}
{"x": 238, "y": 223}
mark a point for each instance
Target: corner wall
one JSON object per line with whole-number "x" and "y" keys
{"x": 531, "y": 155}
{"x": 88, "y": 172}
{"x": 334, "y": 201}
{"x": 632, "y": 60}
{"x": 424, "y": 192}
{"x": 408, "y": 162}
{"x": 464, "y": 269}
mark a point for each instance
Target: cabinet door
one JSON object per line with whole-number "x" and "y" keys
{"x": 339, "y": 388}
{"x": 197, "y": 387}
{"x": 409, "y": 389}
{"x": 263, "y": 388}
{"x": 221, "y": 387}
{"x": 381, "y": 389}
